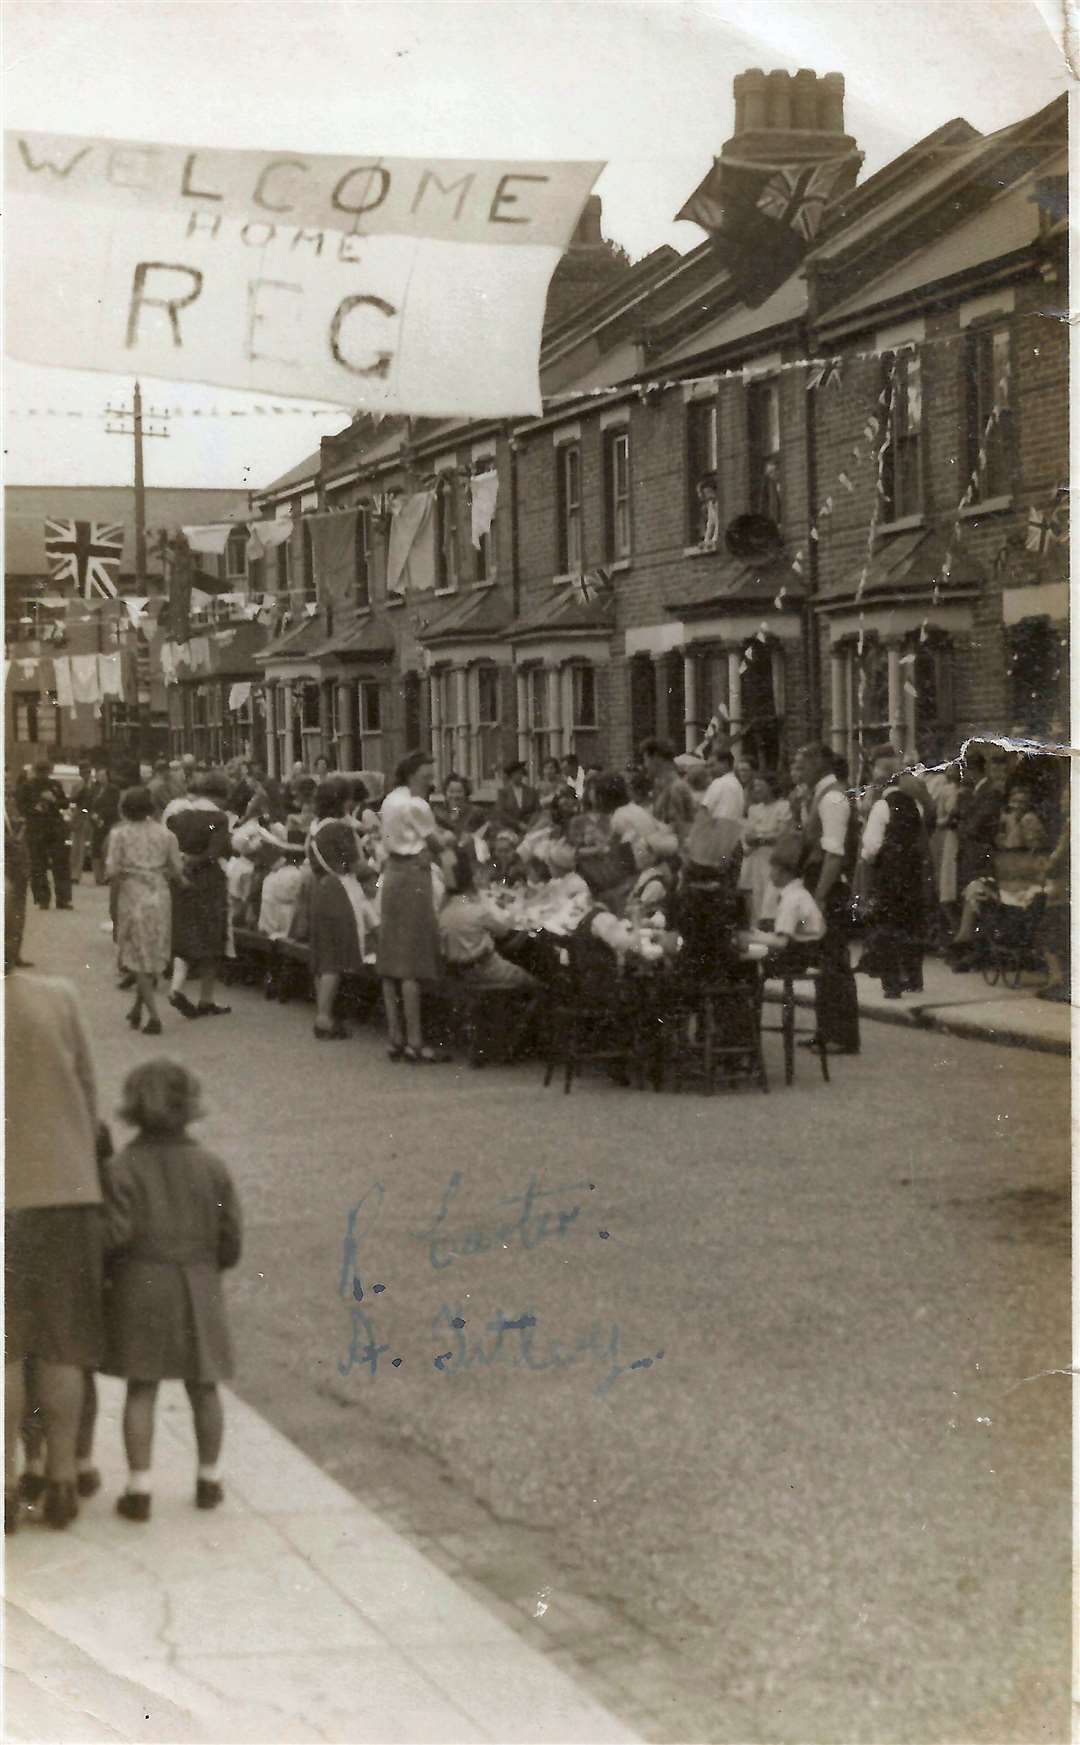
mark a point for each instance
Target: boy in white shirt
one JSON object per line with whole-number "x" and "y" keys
{"x": 797, "y": 921}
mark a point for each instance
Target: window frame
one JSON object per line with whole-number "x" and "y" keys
{"x": 486, "y": 554}
{"x": 580, "y": 670}
{"x": 37, "y": 708}
{"x": 762, "y": 393}
{"x": 570, "y": 512}
{"x": 902, "y": 435}
{"x": 237, "y": 540}
{"x": 362, "y": 557}
{"x": 618, "y": 504}
{"x": 995, "y": 482}
{"x": 369, "y": 737}
{"x": 447, "y": 555}
{"x": 702, "y": 439}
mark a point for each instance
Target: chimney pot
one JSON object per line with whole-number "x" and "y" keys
{"x": 589, "y": 225}
{"x": 779, "y": 85}
{"x": 754, "y": 100}
{"x": 831, "y": 103}
{"x": 804, "y": 88}
{"x": 739, "y": 89}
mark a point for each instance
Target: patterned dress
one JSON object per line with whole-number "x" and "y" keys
{"x": 142, "y": 857}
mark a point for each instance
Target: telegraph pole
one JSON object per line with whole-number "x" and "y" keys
{"x": 137, "y": 430}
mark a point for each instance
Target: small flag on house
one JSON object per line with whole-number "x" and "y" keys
{"x": 86, "y": 553}
{"x": 1045, "y": 529}
{"x": 590, "y": 584}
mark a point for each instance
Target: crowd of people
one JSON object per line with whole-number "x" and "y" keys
{"x": 415, "y": 886}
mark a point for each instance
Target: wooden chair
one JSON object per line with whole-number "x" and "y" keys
{"x": 787, "y": 974}
{"x": 713, "y": 1031}
{"x": 603, "y": 1019}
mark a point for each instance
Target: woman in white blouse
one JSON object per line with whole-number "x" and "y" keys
{"x": 408, "y": 951}
{"x": 767, "y": 819}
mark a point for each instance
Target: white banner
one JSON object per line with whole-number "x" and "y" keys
{"x": 395, "y": 284}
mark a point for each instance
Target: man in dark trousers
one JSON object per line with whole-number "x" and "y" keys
{"x": 894, "y": 853}
{"x": 43, "y": 804}
{"x": 829, "y": 846}
{"x": 80, "y": 821}
{"x": 104, "y": 812}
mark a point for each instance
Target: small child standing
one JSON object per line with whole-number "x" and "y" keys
{"x": 173, "y": 1226}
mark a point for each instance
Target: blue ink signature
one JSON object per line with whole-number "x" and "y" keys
{"x": 598, "y": 1345}
{"x": 360, "y": 1222}
{"x": 510, "y": 1342}
{"x": 529, "y": 1228}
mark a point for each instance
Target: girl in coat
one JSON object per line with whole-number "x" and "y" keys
{"x": 173, "y": 1227}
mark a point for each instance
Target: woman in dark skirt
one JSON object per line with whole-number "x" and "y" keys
{"x": 200, "y": 921}
{"x": 409, "y": 952}
{"x": 340, "y": 918}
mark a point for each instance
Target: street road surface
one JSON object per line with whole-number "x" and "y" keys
{"x": 752, "y": 1407}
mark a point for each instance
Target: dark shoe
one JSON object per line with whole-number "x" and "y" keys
{"x": 395, "y": 1051}
{"x": 88, "y": 1481}
{"x": 336, "y": 1033}
{"x": 152, "y": 1027}
{"x": 915, "y": 987}
{"x": 207, "y": 1009}
{"x": 65, "y": 906}
{"x": 31, "y": 1486}
{"x": 893, "y": 993}
{"x": 419, "y": 1056}
{"x": 22, "y": 963}
{"x": 61, "y": 1503}
{"x": 134, "y": 1016}
{"x": 208, "y": 1493}
{"x": 126, "y": 981}
{"x": 183, "y": 1005}
{"x": 134, "y": 1505}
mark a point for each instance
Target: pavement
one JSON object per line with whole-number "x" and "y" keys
{"x": 293, "y": 1613}
{"x": 963, "y": 1005}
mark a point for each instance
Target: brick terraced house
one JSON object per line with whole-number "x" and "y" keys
{"x": 810, "y": 488}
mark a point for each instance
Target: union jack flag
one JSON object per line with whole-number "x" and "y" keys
{"x": 86, "y": 553}
{"x": 593, "y": 582}
{"x": 796, "y": 194}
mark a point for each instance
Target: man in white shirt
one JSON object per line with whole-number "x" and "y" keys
{"x": 828, "y": 856}
{"x": 724, "y": 797}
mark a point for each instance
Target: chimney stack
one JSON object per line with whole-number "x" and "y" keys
{"x": 787, "y": 118}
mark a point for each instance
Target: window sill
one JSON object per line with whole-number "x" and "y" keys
{"x": 445, "y": 593}
{"x": 393, "y": 600}
{"x": 617, "y": 565}
{"x": 701, "y": 550}
{"x": 902, "y": 524}
{"x": 988, "y": 506}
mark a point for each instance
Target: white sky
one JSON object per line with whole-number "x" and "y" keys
{"x": 644, "y": 85}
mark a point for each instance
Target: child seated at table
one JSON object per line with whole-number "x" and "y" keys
{"x": 470, "y": 928}
{"x": 798, "y": 925}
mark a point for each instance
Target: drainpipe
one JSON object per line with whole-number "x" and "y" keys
{"x": 515, "y": 540}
